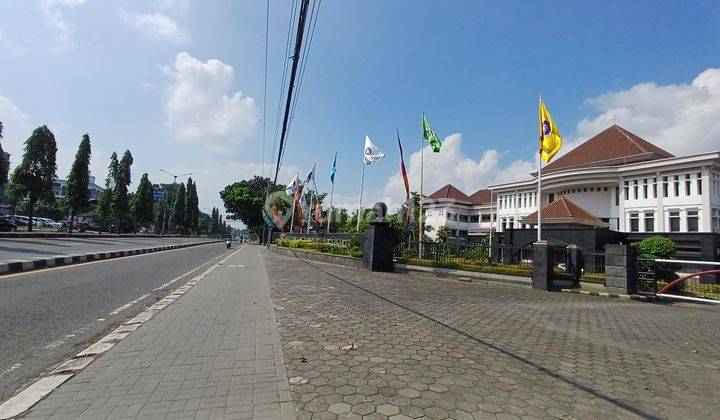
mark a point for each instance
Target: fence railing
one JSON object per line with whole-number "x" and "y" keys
{"x": 691, "y": 280}
{"x": 593, "y": 263}
{"x": 456, "y": 253}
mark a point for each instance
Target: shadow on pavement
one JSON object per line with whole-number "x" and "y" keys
{"x": 501, "y": 350}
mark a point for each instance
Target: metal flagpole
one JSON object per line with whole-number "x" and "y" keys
{"x": 538, "y": 201}
{"x": 332, "y": 190}
{"x": 420, "y": 213}
{"x": 362, "y": 184}
{"x": 292, "y": 216}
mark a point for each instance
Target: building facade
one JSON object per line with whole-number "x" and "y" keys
{"x": 60, "y": 189}
{"x": 620, "y": 179}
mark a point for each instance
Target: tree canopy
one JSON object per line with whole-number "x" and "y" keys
{"x": 143, "y": 201}
{"x": 79, "y": 178}
{"x": 178, "y": 209}
{"x": 244, "y": 201}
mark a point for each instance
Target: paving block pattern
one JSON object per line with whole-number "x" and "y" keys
{"x": 213, "y": 353}
{"x": 362, "y": 345}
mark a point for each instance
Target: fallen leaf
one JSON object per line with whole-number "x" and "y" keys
{"x": 349, "y": 346}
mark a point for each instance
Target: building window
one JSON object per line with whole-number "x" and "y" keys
{"x": 634, "y": 222}
{"x": 635, "y": 189}
{"x": 698, "y": 179}
{"x": 617, "y": 196}
{"x": 485, "y": 218}
{"x": 676, "y": 186}
{"x": 716, "y": 219}
{"x": 627, "y": 190}
{"x": 654, "y": 187}
{"x": 692, "y": 220}
{"x": 665, "y": 186}
{"x": 551, "y": 197}
{"x": 649, "y": 221}
{"x": 645, "y": 189}
{"x": 687, "y": 184}
{"x": 674, "y": 221}
{"x": 604, "y": 188}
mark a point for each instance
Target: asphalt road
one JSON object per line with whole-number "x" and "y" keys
{"x": 47, "y": 316}
{"x": 27, "y": 249}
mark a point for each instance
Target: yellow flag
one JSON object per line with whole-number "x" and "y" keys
{"x": 550, "y": 140}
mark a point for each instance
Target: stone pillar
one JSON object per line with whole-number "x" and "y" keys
{"x": 379, "y": 242}
{"x": 575, "y": 262}
{"x": 542, "y": 266}
{"x": 620, "y": 269}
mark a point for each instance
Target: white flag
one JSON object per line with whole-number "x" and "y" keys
{"x": 371, "y": 153}
{"x": 291, "y": 186}
{"x": 310, "y": 176}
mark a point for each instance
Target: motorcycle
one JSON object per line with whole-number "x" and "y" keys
{"x": 227, "y": 244}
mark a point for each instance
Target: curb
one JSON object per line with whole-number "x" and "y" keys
{"x": 20, "y": 266}
{"x": 28, "y": 397}
{"x": 605, "y": 294}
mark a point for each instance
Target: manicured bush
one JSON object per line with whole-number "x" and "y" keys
{"x": 656, "y": 247}
{"x": 319, "y": 245}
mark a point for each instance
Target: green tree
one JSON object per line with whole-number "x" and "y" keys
{"x": 442, "y": 233}
{"x": 35, "y": 174}
{"x": 178, "y": 210}
{"x": 143, "y": 202}
{"x": 656, "y": 247}
{"x": 160, "y": 210}
{"x": 214, "y": 222}
{"x": 78, "y": 180}
{"x": 121, "y": 202}
{"x": 204, "y": 223}
{"x": 244, "y": 201}
{"x": 191, "y": 207}
{"x": 103, "y": 210}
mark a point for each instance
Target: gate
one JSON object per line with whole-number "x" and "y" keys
{"x": 697, "y": 281}
{"x": 646, "y": 276}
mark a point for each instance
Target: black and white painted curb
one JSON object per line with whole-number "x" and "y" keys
{"x": 19, "y": 266}
{"x": 31, "y": 395}
{"x": 604, "y": 294}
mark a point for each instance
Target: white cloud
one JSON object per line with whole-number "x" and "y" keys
{"x": 175, "y": 6}
{"x": 452, "y": 166}
{"x": 681, "y": 118}
{"x": 51, "y": 9}
{"x": 200, "y": 106}
{"x": 157, "y": 26}
{"x": 16, "y": 129}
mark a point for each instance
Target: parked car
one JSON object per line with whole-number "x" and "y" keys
{"x": 45, "y": 222}
{"x": 7, "y": 225}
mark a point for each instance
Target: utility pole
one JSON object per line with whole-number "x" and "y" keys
{"x": 166, "y": 219}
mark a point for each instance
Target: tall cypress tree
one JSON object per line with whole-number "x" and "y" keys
{"x": 178, "y": 211}
{"x": 78, "y": 180}
{"x": 33, "y": 178}
{"x": 121, "y": 204}
{"x": 105, "y": 201}
{"x": 143, "y": 205}
{"x": 191, "y": 207}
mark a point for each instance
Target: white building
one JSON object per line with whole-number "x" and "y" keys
{"x": 463, "y": 215}
{"x": 616, "y": 176}
{"x": 60, "y": 188}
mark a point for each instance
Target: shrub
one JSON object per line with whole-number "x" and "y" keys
{"x": 654, "y": 247}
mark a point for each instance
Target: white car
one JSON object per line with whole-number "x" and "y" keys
{"x": 45, "y": 222}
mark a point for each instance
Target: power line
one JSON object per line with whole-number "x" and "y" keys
{"x": 303, "y": 63}
{"x": 267, "y": 32}
{"x": 291, "y": 85}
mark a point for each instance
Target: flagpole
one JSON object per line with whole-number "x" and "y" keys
{"x": 491, "y": 225}
{"x": 332, "y": 190}
{"x": 420, "y": 214}
{"x": 362, "y": 184}
{"x": 539, "y": 168}
{"x": 310, "y": 210}
{"x": 292, "y": 216}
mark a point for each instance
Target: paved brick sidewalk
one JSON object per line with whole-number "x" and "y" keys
{"x": 213, "y": 353}
{"x": 443, "y": 349}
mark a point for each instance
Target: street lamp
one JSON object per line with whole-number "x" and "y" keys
{"x": 167, "y": 210}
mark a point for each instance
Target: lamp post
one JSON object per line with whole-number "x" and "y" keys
{"x": 167, "y": 210}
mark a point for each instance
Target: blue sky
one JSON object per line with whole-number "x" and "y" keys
{"x": 180, "y": 83}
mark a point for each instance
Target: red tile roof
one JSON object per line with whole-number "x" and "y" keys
{"x": 483, "y": 197}
{"x": 564, "y": 211}
{"x": 449, "y": 192}
{"x": 612, "y": 146}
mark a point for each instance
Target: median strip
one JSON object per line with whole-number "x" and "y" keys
{"x": 40, "y": 263}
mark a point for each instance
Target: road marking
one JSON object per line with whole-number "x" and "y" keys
{"x": 61, "y": 267}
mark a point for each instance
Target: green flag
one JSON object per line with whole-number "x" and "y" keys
{"x": 429, "y": 135}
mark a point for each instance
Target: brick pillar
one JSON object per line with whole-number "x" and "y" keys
{"x": 542, "y": 266}
{"x": 620, "y": 269}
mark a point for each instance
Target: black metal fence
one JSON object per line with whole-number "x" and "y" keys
{"x": 593, "y": 263}
{"x": 679, "y": 278}
{"x": 455, "y": 253}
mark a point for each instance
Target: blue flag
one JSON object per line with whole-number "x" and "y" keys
{"x": 333, "y": 169}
